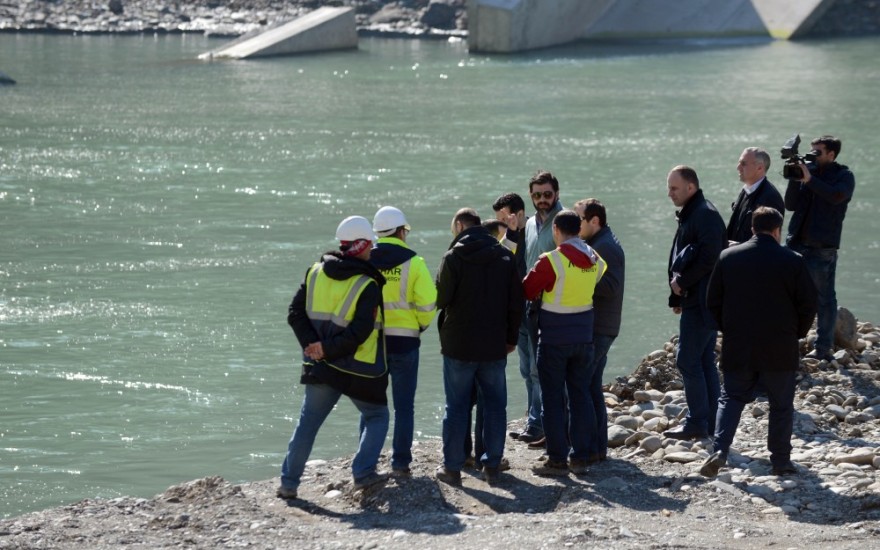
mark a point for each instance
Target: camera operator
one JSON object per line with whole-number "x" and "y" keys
{"x": 819, "y": 200}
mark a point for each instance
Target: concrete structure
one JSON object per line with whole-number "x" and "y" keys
{"x": 518, "y": 25}
{"x": 322, "y": 29}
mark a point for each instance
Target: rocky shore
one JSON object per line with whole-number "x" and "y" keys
{"x": 647, "y": 494}
{"x": 412, "y": 18}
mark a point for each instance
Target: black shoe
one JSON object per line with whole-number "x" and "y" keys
{"x": 785, "y": 469}
{"x": 715, "y": 462}
{"x": 539, "y": 444}
{"x": 287, "y": 493}
{"x": 683, "y": 433}
{"x": 577, "y": 467}
{"x": 821, "y": 355}
{"x": 445, "y": 475}
{"x": 527, "y": 437}
{"x": 491, "y": 475}
{"x": 373, "y": 478}
{"x": 514, "y": 434}
{"x": 550, "y": 468}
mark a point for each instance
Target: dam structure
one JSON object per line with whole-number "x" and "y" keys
{"x": 507, "y": 26}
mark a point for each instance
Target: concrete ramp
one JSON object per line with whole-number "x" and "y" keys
{"x": 791, "y": 19}
{"x": 320, "y": 30}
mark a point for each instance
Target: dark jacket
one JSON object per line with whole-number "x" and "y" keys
{"x": 608, "y": 295}
{"x": 480, "y": 296}
{"x": 739, "y": 228}
{"x": 387, "y": 256}
{"x": 819, "y": 207}
{"x": 763, "y": 299}
{"x": 701, "y": 237}
{"x": 340, "y": 267}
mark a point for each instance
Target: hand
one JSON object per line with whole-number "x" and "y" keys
{"x": 512, "y": 222}
{"x": 510, "y": 348}
{"x": 806, "y": 174}
{"x": 314, "y": 351}
{"x": 676, "y": 310}
{"x": 676, "y": 289}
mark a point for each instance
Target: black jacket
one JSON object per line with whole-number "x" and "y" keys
{"x": 763, "y": 299}
{"x": 340, "y": 267}
{"x": 739, "y": 228}
{"x": 608, "y": 295}
{"x": 819, "y": 207}
{"x": 701, "y": 233}
{"x": 480, "y": 298}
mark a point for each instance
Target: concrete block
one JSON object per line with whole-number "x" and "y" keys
{"x": 323, "y": 29}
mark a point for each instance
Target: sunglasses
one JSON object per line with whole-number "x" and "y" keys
{"x": 547, "y": 194}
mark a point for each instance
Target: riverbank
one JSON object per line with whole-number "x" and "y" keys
{"x": 647, "y": 494}
{"x": 412, "y": 18}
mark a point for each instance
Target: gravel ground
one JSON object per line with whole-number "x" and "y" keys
{"x": 647, "y": 494}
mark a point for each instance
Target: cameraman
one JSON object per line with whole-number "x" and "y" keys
{"x": 819, "y": 200}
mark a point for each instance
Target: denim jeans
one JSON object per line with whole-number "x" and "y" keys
{"x": 740, "y": 388}
{"x": 528, "y": 369}
{"x": 319, "y": 401}
{"x": 822, "y": 265}
{"x": 696, "y": 361}
{"x": 404, "y": 370}
{"x": 566, "y": 371}
{"x": 458, "y": 381}
{"x": 599, "y": 441}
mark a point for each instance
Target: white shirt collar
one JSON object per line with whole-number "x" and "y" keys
{"x": 749, "y": 189}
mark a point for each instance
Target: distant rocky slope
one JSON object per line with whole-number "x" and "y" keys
{"x": 412, "y": 18}
{"x": 647, "y": 494}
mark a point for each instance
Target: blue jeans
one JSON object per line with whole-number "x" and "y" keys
{"x": 599, "y": 441}
{"x": 319, "y": 401}
{"x": 695, "y": 358}
{"x": 404, "y": 370}
{"x": 740, "y": 388}
{"x": 566, "y": 371}
{"x": 459, "y": 378}
{"x": 528, "y": 369}
{"x": 822, "y": 265}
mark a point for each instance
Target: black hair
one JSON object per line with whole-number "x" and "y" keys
{"x": 512, "y": 201}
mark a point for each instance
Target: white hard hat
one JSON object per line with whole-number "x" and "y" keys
{"x": 388, "y": 219}
{"x": 354, "y": 228}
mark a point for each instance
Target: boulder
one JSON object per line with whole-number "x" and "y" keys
{"x": 439, "y": 15}
{"x": 846, "y": 330}
{"x": 116, "y": 7}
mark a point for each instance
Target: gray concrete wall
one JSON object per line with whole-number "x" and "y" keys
{"x": 517, "y": 25}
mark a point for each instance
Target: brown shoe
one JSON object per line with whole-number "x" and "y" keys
{"x": 550, "y": 468}
{"x": 452, "y": 477}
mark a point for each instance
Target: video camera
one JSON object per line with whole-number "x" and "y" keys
{"x": 791, "y": 169}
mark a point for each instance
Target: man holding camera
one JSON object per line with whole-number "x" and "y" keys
{"x": 756, "y": 191}
{"x": 819, "y": 199}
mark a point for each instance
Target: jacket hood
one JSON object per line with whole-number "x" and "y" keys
{"x": 340, "y": 267}
{"x": 579, "y": 253}
{"x": 390, "y": 252}
{"x": 476, "y": 246}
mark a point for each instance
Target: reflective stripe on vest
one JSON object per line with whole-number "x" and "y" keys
{"x": 398, "y": 321}
{"x": 569, "y": 292}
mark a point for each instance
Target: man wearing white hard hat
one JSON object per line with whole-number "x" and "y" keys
{"x": 337, "y": 318}
{"x": 409, "y": 297}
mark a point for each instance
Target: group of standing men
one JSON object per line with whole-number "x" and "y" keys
{"x": 551, "y": 286}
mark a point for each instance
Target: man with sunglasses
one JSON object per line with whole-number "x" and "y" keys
{"x": 819, "y": 200}
{"x": 544, "y": 190}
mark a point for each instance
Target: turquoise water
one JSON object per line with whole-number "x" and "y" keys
{"x": 157, "y": 214}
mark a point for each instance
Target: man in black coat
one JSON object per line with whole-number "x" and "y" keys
{"x": 756, "y": 191}
{"x": 480, "y": 298}
{"x": 763, "y": 299}
{"x": 699, "y": 240}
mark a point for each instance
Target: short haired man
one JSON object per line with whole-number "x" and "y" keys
{"x": 511, "y": 210}
{"x": 565, "y": 278}
{"x": 409, "y": 297}
{"x": 699, "y": 240}
{"x": 756, "y": 191}
{"x": 819, "y": 200}
{"x": 544, "y": 190}
{"x": 479, "y": 295}
{"x": 337, "y": 317}
{"x": 607, "y": 309}
{"x": 763, "y": 299}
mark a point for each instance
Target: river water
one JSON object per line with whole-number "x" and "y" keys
{"x": 158, "y": 213}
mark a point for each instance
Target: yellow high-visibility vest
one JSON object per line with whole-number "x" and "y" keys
{"x": 573, "y": 290}
{"x": 409, "y": 295}
{"x": 330, "y": 305}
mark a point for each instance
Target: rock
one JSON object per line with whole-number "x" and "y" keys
{"x": 390, "y": 14}
{"x": 627, "y": 421}
{"x": 656, "y": 424}
{"x": 648, "y": 395}
{"x": 116, "y": 7}
{"x": 845, "y": 329}
{"x": 672, "y": 411}
{"x": 651, "y": 443}
{"x": 838, "y": 411}
{"x": 439, "y": 15}
{"x": 681, "y": 457}
{"x": 617, "y": 435}
{"x": 859, "y": 456}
